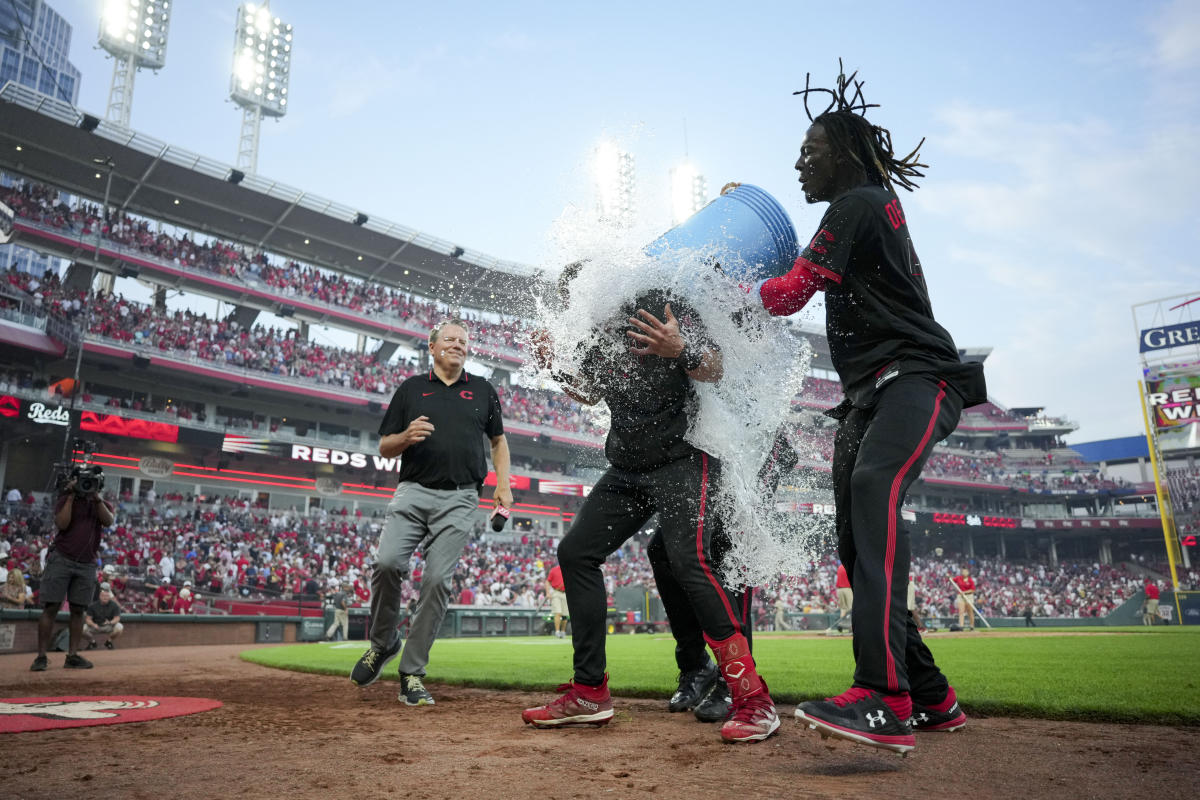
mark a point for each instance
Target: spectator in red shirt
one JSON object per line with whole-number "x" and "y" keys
{"x": 965, "y": 598}
{"x": 1150, "y": 607}
{"x": 556, "y": 591}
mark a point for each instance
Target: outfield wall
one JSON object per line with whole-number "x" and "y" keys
{"x": 18, "y": 628}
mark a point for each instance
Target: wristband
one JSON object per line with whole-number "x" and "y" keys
{"x": 690, "y": 359}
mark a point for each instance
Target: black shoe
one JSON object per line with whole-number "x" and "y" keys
{"x": 859, "y": 715}
{"x": 716, "y": 705}
{"x": 693, "y": 686}
{"x": 92, "y": 645}
{"x": 952, "y": 719}
{"x": 39, "y": 664}
{"x": 76, "y": 661}
{"x": 108, "y": 644}
{"x": 413, "y": 691}
{"x": 370, "y": 666}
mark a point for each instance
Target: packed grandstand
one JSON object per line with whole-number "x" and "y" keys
{"x": 172, "y": 394}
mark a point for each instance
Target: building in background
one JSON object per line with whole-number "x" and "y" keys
{"x": 35, "y": 45}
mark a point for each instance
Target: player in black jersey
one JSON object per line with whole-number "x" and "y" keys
{"x": 643, "y": 366}
{"x": 905, "y": 387}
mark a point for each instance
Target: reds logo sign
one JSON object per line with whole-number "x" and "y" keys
{"x": 43, "y": 713}
{"x": 466, "y": 394}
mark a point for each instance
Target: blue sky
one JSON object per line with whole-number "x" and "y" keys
{"x": 1061, "y": 139}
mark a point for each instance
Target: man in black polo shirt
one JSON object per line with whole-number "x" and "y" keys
{"x": 436, "y": 422}
{"x": 905, "y": 388}
{"x": 642, "y": 365}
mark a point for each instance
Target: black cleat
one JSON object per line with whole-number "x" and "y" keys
{"x": 109, "y": 645}
{"x": 859, "y": 715}
{"x": 925, "y": 718}
{"x": 370, "y": 666}
{"x": 694, "y": 685}
{"x": 716, "y": 705}
{"x": 39, "y": 664}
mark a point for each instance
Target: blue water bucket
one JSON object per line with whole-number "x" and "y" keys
{"x": 745, "y": 230}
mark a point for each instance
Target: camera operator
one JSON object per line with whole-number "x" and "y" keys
{"x": 70, "y": 574}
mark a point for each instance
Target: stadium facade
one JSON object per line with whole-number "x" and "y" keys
{"x": 221, "y": 418}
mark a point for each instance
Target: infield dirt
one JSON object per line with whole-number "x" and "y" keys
{"x": 301, "y": 737}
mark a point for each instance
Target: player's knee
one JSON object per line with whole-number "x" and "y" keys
{"x": 77, "y": 610}
{"x": 869, "y": 480}
{"x": 117, "y": 628}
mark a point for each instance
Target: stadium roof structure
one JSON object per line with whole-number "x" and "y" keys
{"x": 61, "y": 145}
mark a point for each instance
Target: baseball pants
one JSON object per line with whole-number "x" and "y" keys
{"x": 878, "y": 453}
{"x": 690, "y": 650}
{"x": 618, "y": 506}
{"x": 440, "y": 521}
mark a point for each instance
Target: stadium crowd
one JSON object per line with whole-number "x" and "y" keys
{"x": 227, "y": 549}
{"x": 274, "y": 351}
{"x": 288, "y": 278}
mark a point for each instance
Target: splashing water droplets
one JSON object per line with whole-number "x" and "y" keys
{"x": 736, "y": 419}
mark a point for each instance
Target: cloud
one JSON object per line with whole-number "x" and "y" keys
{"x": 1177, "y": 33}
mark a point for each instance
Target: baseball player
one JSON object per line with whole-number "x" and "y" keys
{"x": 905, "y": 387}
{"x": 642, "y": 368}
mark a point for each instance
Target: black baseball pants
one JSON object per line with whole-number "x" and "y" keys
{"x": 878, "y": 453}
{"x": 690, "y": 652}
{"x": 689, "y": 638}
{"x": 621, "y": 502}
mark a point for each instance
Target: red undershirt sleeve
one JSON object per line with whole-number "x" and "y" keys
{"x": 789, "y": 293}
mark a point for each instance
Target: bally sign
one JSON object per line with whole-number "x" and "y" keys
{"x": 42, "y": 414}
{"x": 1167, "y": 336}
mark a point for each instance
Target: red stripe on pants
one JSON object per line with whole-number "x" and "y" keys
{"x": 890, "y": 556}
{"x": 737, "y": 626}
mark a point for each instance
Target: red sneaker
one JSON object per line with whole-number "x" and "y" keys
{"x": 752, "y": 720}
{"x": 576, "y": 705}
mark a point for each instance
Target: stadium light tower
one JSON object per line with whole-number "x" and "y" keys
{"x": 134, "y": 32}
{"x": 613, "y": 169}
{"x": 262, "y": 61}
{"x": 689, "y": 192}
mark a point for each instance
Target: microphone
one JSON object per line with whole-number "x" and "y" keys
{"x": 499, "y": 517}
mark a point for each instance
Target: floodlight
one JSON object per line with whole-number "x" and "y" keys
{"x": 262, "y": 58}
{"x": 613, "y": 170}
{"x": 689, "y": 192}
{"x": 134, "y": 32}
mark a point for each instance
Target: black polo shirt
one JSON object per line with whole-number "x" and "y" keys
{"x": 651, "y": 399}
{"x": 878, "y": 317}
{"x": 462, "y": 415}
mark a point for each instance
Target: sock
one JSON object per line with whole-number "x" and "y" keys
{"x": 900, "y": 704}
{"x": 593, "y": 692}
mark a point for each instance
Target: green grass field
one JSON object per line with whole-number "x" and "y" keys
{"x": 1114, "y": 675}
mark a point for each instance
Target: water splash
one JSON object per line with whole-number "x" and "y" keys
{"x": 737, "y": 418}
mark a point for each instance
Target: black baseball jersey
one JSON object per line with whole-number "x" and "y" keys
{"x": 462, "y": 414}
{"x": 878, "y": 317}
{"x": 650, "y": 398}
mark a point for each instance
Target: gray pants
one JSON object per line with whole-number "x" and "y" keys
{"x": 442, "y": 520}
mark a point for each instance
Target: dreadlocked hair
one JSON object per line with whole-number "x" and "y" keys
{"x": 852, "y": 135}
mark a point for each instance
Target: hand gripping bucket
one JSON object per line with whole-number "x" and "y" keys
{"x": 745, "y": 230}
